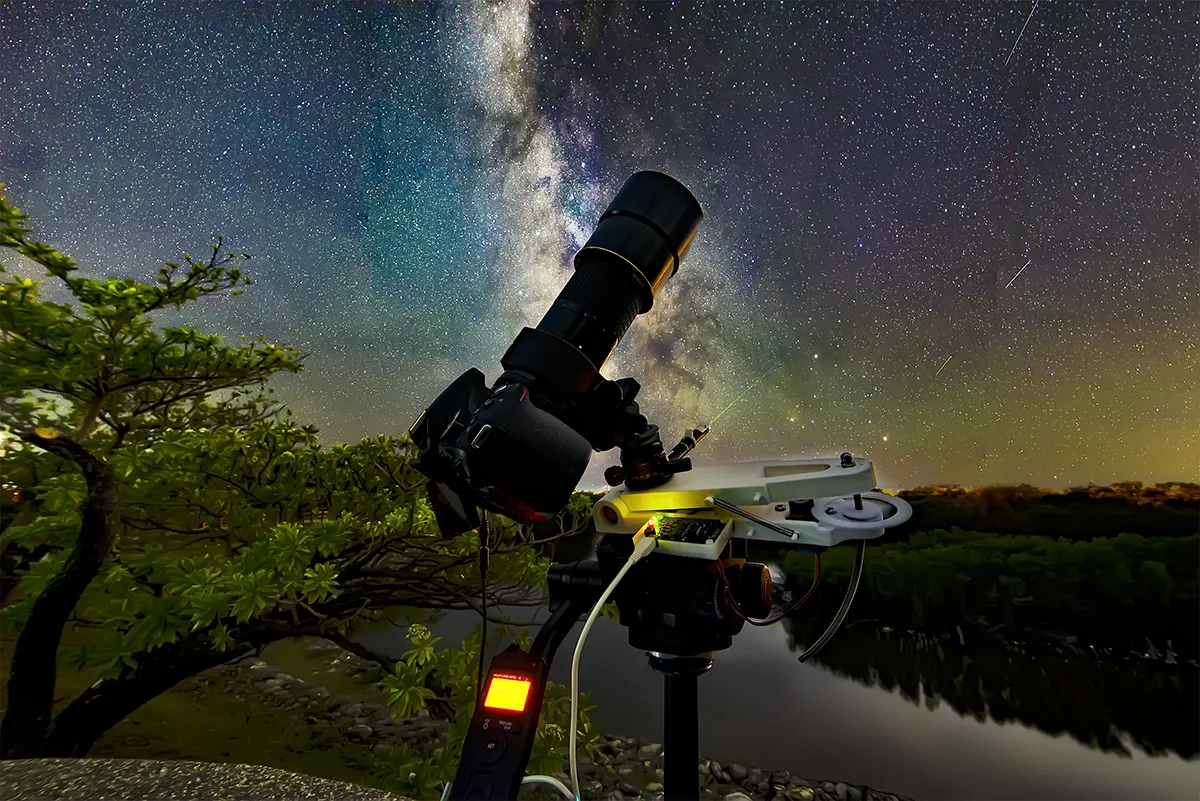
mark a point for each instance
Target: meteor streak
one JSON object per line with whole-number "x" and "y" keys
{"x": 1022, "y": 33}
{"x": 1018, "y": 275}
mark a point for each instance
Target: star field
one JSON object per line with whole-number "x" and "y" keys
{"x": 966, "y": 270}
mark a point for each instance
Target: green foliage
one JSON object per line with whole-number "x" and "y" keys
{"x": 231, "y": 521}
{"x": 99, "y": 367}
{"x": 233, "y": 527}
{"x": 610, "y": 612}
{"x": 1111, "y": 590}
{"x": 410, "y": 687}
{"x": 215, "y": 540}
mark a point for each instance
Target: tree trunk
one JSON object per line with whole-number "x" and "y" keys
{"x": 109, "y": 701}
{"x": 33, "y": 671}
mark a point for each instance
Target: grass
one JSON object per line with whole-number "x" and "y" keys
{"x": 293, "y": 658}
{"x": 219, "y": 716}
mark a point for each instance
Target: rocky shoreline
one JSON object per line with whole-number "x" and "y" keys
{"x": 626, "y": 768}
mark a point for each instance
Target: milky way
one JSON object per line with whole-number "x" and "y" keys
{"x": 966, "y": 269}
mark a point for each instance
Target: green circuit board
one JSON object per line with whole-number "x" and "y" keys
{"x": 681, "y": 528}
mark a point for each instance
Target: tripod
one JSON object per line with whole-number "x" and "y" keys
{"x": 659, "y": 605}
{"x": 681, "y": 727}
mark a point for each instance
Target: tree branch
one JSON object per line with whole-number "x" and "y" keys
{"x": 34, "y": 666}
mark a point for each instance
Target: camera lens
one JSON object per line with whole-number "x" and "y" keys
{"x": 638, "y": 244}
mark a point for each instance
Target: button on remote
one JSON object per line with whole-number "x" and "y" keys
{"x": 493, "y": 748}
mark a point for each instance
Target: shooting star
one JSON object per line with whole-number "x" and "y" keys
{"x": 1018, "y": 275}
{"x": 939, "y": 370}
{"x": 1022, "y": 33}
{"x": 743, "y": 393}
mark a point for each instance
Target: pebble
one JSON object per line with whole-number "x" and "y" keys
{"x": 360, "y": 732}
{"x": 738, "y": 772}
{"x": 351, "y": 710}
{"x": 738, "y": 797}
{"x": 649, "y": 751}
{"x": 839, "y": 790}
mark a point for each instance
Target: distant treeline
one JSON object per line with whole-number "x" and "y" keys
{"x": 1080, "y": 513}
{"x": 1113, "y": 591}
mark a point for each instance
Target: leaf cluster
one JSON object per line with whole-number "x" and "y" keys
{"x": 410, "y": 770}
{"x": 99, "y": 367}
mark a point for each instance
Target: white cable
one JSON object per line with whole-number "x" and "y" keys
{"x": 553, "y": 782}
{"x": 640, "y": 548}
{"x": 535, "y": 779}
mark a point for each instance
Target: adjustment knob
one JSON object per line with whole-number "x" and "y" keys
{"x": 752, "y": 589}
{"x": 614, "y": 476}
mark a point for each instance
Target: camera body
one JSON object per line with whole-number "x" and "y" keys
{"x": 521, "y": 446}
{"x": 496, "y": 449}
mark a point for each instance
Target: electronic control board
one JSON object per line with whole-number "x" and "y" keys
{"x": 702, "y": 535}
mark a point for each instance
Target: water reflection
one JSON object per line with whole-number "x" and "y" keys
{"x": 1107, "y": 703}
{"x": 759, "y": 706}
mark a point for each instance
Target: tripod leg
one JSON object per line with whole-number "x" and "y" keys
{"x": 681, "y": 744}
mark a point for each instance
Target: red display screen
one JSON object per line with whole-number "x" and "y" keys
{"x": 508, "y": 692}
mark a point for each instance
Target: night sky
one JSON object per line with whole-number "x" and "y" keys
{"x": 969, "y": 262}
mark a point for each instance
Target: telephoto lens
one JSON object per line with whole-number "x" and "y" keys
{"x": 638, "y": 244}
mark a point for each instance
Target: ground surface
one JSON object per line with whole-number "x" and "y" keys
{"x": 219, "y": 717}
{"x": 138, "y": 780}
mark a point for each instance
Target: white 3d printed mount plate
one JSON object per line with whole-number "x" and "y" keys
{"x": 764, "y": 489}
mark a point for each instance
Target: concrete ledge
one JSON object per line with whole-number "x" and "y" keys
{"x": 146, "y": 779}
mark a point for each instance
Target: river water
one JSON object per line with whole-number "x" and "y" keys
{"x": 760, "y": 706}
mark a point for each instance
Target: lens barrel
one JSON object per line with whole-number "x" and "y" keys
{"x": 638, "y": 244}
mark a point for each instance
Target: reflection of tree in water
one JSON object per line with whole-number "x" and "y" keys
{"x": 1095, "y": 702}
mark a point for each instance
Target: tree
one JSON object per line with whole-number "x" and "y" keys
{"x": 80, "y": 384}
{"x": 177, "y": 521}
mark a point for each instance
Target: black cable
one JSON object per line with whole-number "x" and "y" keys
{"x": 484, "y": 558}
{"x": 855, "y": 577}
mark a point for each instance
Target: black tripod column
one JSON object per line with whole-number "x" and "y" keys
{"x": 681, "y": 730}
